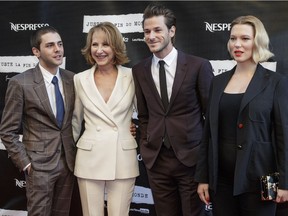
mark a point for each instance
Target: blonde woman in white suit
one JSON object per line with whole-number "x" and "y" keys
{"x": 106, "y": 157}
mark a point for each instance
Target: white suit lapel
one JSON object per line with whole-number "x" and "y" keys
{"x": 92, "y": 93}
{"x": 122, "y": 85}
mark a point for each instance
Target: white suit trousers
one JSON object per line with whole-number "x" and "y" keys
{"x": 119, "y": 196}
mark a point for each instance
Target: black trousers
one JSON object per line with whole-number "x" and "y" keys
{"x": 247, "y": 204}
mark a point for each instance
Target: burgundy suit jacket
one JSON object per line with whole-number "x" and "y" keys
{"x": 184, "y": 117}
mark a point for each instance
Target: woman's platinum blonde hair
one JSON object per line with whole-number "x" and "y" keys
{"x": 261, "y": 52}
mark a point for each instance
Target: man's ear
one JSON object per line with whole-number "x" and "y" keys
{"x": 36, "y": 52}
{"x": 172, "y": 31}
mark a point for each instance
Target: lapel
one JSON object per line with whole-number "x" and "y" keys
{"x": 258, "y": 82}
{"x": 218, "y": 87}
{"x": 41, "y": 92}
{"x": 68, "y": 89}
{"x": 181, "y": 70}
{"x": 151, "y": 83}
{"x": 89, "y": 87}
{"x": 122, "y": 85}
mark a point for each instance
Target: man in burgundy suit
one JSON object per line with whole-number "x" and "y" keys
{"x": 170, "y": 128}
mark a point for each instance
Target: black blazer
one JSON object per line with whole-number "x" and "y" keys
{"x": 184, "y": 117}
{"x": 262, "y": 132}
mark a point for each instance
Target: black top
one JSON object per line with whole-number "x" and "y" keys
{"x": 228, "y": 113}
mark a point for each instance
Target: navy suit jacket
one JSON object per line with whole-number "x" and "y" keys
{"x": 262, "y": 132}
{"x": 183, "y": 119}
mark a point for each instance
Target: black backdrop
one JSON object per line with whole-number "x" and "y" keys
{"x": 202, "y": 29}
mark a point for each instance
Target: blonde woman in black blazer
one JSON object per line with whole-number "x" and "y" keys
{"x": 246, "y": 128}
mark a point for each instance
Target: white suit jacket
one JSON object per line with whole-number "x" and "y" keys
{"x": 106, "y": 150}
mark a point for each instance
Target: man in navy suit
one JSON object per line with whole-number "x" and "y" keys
{"x": 170, "y": 130}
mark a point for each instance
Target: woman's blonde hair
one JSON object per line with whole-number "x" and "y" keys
{"x": 114, "y": 39}
{"x": 261, "y": 52}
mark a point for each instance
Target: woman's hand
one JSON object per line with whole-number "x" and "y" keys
{"x": 282, "y": 196}
{"x": 203, "y": 192}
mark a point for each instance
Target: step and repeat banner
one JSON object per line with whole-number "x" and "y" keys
{"x": 202, "y": 29}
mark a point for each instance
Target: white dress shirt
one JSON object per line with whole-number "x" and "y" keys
{"x": 50, "y": 86}
{"x": 170, "y": 69}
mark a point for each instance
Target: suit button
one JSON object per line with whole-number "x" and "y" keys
{"x": 239, "y": 147}
{"x": 98, "y": 128}
{"x": 240, "y": 125}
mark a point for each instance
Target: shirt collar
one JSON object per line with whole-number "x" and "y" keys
{"x": 47, "y": 75}
{"x": 168, "y": 59}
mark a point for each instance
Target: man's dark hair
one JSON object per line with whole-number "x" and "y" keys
{"x": 156, "y": 9}
{"x": 35, "y": 39}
